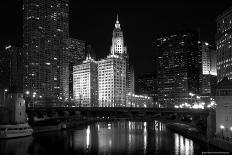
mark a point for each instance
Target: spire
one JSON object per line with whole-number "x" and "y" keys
{"x": 117, "y": 25}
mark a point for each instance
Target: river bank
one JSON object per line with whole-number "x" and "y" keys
{"x": 195, "y": 134}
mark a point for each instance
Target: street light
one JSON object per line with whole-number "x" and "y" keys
{"x": 191, "y": 94}
{"x": 222, "y": 128}
{"x": 27, "y": 92}
{"x": 34, "y": 96}
{"x": 231, "y": 130}
{"x": 4, "y": 99}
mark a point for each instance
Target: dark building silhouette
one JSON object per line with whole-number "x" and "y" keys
{"x": 11, "y": 69}
{"x": 45, "y": 29}
{"x": 76, "y": 54}
{"x": 179, "y": 67}
{"x": 146, "y": 84}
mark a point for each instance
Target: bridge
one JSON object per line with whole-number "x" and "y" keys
{"x": 108, "y": 110}
{"x": 197, "y": 117}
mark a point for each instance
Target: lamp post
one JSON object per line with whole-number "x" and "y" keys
{"x": 27, "y": 98}
{"x": 231, "y": 130}
{"x": 222, "y": 128}
{"x": 34, "y": 96}
{"x": 4, "y": 97}
{"x": 191, "y": 94}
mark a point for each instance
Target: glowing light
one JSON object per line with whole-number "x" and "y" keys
{"x": 109, "y": 126}
{"x": 87, "y": 136}
{"x": 222, "y": 127}
{"x": 27, "y": 92}
{"x": 176, "y": 106}
{"x": 7, "y": 47}
{"x": 145, "y": 137}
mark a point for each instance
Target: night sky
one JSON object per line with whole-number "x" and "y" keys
{"x": 141, "y": 23}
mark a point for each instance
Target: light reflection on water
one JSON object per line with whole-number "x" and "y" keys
{"x": 122, "y": 137}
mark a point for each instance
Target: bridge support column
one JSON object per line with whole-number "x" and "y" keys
{"x": 211, "y": 124}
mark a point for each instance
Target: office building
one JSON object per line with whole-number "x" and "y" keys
{"x": 224, "y": 45}
{"x": 112, "y": 81}
{"x": 209, "y": 71}
{"x": 85, "y": 83}
{"x": 223, "y": 99}
{"x": 146, "y": 84}
{"x": 45, "y": 29}
{"x": 179, "y": 68}
{"x": 112, "y": 73}
{"x": 76, "y": 54}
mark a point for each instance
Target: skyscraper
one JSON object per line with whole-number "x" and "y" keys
{"x": 76, "y": 54}
{"x": 224, "y": 45}
{"x": 179, "y": 68}
{"x": 112, "y": 81}
{"x": 209, "y": 71}
{"x": 11, "y": 69}
{"x": 112, "y": 72}
{"x": 146, "y": 84}
{"x": 45, "y": 29}
{"x": 85, "y": 83}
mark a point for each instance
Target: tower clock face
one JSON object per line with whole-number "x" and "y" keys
{"x": 118, "y": 41}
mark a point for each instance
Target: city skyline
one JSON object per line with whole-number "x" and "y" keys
{"x": 142, "y": 24}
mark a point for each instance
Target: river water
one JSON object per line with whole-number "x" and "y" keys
{"x": 107, "y": 138}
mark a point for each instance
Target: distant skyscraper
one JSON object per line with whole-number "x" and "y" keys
{"x": 224, "y": 45}
{"x": 179, "y": 68}
{"x": 11, "y": 69}
{"x": 112, "y": 73}
{"x": 76, "y": 54}
{"x": 209, "y": 71}
{"x": 45, "y": 29}
{"x": 85, "y": 83}
{"x": 146, "y": 84}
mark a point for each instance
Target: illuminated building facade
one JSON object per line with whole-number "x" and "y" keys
{"x": 179, "y": 68}
{"x": 76, "y": 54}
{"x": 139, "y": 101}
{"x": 224, "y": 45}
{"x": 112, "y": 81}
{"x": 112, "y": 73}
{"x": 45, "y": 29}
{"x": 209, "y": 71}
{"x": 85, "y": 83}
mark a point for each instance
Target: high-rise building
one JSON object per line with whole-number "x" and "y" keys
{"x": 131, "y": 81}
{"x": 85, "y": 83}
{"x": 224, "y": 45}
{"x": 45, "y": 29}
{"x": 112, "y": 81}
{"x": 179, "y": 68}
{"x": 209, "y": 71}
{"x": 112, "y": 73}
{"x": 76, "y": 54}
{"x": 146, "y": 84}
{"x": 11, "y": 69}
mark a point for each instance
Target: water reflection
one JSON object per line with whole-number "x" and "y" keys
{"x": 121, "y": 137}
{"x": 17, "y": 146}
{"x": 183, "y": 146}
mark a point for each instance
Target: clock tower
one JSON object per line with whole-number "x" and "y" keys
{"x": 118, "y": 47}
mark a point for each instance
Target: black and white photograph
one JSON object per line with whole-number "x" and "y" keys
{"x": 80, "y": 77}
